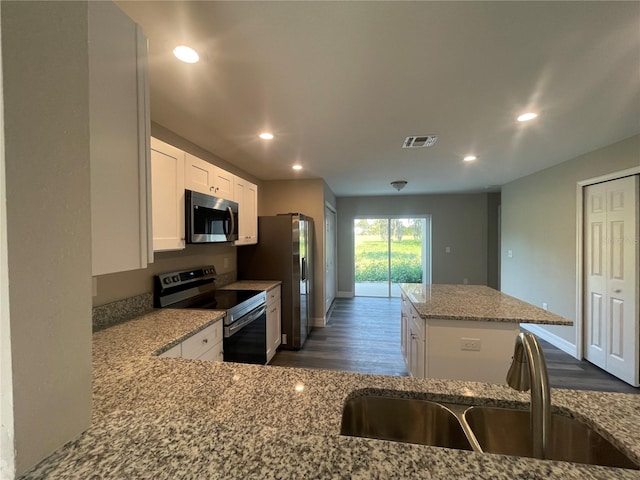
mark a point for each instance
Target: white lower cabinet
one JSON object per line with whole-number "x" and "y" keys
{"x": 405, "y": 315}
{"x": 416, "y": 347}
{"x": 204, "y": 345}
{"x": 467, "y": 350}
{"x": 273, "y": 322}
{"x": 412, "y": 339}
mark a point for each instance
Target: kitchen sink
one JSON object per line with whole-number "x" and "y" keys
{"x": 403, "y": 420}
{"x": 482, "y": 429}
{"x": 508, "y": 432}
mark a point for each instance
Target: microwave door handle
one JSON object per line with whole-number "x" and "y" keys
{"x": 232, "y": 221}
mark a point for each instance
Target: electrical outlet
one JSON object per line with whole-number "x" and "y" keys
{"x": 510, "y": 253}
{"x": 94, "y": 286}
{"x": 470, "y": 344}
{"x": 465, "y": 281}
{"x": 545, "y": 306}
{"x": 226, "y": 262}
{"x": 447, "y": 249}
{"x": 284, "y": 339}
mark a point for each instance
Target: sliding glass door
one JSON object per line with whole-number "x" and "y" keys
{"x": 389, "y": 251}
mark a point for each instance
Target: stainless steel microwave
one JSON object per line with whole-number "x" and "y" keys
{"x": 210, "y": 219}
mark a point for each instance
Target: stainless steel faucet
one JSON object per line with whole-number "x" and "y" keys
{"x": 529, "y": 370}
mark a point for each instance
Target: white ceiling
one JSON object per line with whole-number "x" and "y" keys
{"x": 341, "y": 84}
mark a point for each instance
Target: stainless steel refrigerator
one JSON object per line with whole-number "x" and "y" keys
{"x": 284, "y": 252}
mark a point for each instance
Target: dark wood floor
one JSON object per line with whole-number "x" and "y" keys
{"x": 363, "y": 335}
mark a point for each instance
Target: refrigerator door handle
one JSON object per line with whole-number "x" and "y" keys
{"x": 304, "y": 268}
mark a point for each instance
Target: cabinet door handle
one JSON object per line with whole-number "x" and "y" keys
{"x": 413, "y": 336}
{"x": 205, "y": 340}
{"x": 617, "y": 290}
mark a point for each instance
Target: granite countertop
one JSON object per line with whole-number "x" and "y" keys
{"x": 166, "y": 418}
{"x": 252, "y": 285}
{"x": 475, "y": 302}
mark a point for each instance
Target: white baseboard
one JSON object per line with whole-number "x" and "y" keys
{"x": 344, "y": 295}
{"x": 318, "y": 322}
{"x": 552, "y": 338}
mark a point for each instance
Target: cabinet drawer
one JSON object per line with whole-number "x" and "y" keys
{"x": 273, "y": 295}
{"x": 196, "y": 345}
{"x": 214, "y": 354}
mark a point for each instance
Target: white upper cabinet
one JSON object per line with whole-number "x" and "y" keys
{"x": 246, "y": 196}
{"x": 119, "y": 151}
{"x": 204, "y": 177}
{"x": 167, "y": 181}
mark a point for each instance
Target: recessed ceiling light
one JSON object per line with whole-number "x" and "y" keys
{"x": 297, "y": 167}
{"x": 525, "y": 117}
{"x": 266, "y": 136}
{"x": 470, "y": 158}
{"x": 186, "y": 54}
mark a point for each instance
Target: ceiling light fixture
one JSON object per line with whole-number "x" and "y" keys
{"x": 297, "y": 167}
{"x": 399, "y": 184}
{"x": 186, "y": 54}
{"x": 525, "y": 117}
{"x": 470, "y": 158}
{"x": 266, "y": 136}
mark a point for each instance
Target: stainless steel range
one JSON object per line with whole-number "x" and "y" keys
{"x": 245, "y": 323}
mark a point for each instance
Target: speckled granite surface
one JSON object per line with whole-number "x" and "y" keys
{"x": 252, "y": 285}
{"x": 475, "y": 302}
{"x": 104, "y": 316}
{"x": 163, "y": 418}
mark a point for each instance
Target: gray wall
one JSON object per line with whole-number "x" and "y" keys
{"x": 48, "y": 227}
{"x": 459, "y": 221}
{"x": 306, "y": 196}
{"x": 539, "y": 226}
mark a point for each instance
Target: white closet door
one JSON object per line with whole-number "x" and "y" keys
{"x": 595, "y": 217}
{"x": 611, "y": 222}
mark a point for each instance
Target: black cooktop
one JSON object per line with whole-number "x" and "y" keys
{"x": 217, "y": 299}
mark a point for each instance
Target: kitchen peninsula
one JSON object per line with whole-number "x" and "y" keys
{"x": 168, "y": 418}
{"x": 463, "y": 332}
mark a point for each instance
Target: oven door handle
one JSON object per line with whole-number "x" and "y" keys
{"x": 244, "y": 321}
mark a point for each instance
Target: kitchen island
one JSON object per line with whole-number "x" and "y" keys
{"x": 165, "y": 418}
{"x": 463, "y": 332}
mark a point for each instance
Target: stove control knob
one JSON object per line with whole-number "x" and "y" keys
{"x": 175, "y": 278}
{"x": 166, "y": 281}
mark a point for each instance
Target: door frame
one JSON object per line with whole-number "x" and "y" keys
{"x": 334, "y": 242}
{"x": 580, "y": 250}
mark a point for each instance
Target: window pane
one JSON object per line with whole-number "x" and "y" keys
{"x": 371, "y": 257}
{"x": 406, "y": 252}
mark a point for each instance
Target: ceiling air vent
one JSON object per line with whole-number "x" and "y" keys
{"x": 419, "y": 141}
